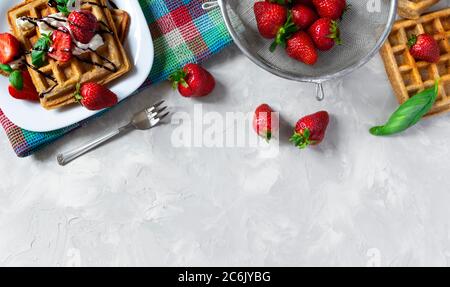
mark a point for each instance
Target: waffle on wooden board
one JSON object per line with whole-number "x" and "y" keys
{"x": 56, "y": 81}
{"x": 412, "y": 9}
{"x": 408, "y": 76}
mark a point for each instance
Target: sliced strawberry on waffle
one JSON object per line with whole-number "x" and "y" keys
{"x": 61, "y": 48}
{"x": 83, "y": 25}
{"x": 23, "y": 88}
{"x": 9, "y": 48}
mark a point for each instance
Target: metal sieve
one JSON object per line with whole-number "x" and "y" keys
{"x": 364, "y": 28}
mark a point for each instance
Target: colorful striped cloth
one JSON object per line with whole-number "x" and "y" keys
{"x": 182, "y": 33}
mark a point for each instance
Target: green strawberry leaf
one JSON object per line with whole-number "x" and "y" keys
{"x": 178, "y": 77}
{"x": 284, "y": 33}
{"x": 16, "y": 80}
{"x": 409, "y": 113}
{"x": 301, "y": 140}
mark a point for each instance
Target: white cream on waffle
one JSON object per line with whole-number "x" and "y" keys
{"x": 48, "y": 24}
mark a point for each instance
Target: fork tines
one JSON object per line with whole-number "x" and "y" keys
{"x": 152, "y": 114}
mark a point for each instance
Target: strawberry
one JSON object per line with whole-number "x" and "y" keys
{"x": 95, "y": 97}
{"x": 9, "y": 48}
{"x": 310, "y": 130}
{"x": 333, "y": 9}
{"x": 265, "y": 121}
{"x": 26, "y": 89}
{"x": 61, "y": 48}
{"x": 303, "y": 16}
{"x": 270, "y": 18}
{"x": 301, "y": 47}
{"x": 83, "y": 25}
{"x": 325, "y": 34}
{"x": 424, "y": 48}
{"x": 193, "y": 81}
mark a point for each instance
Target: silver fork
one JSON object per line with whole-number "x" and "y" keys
{"x": 143, "y": 120}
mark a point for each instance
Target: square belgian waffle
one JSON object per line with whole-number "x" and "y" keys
{"x": 121, "y": 20}
{"x": 122, "y": 23}
{"x": 412, "y": 9}
{"x": 408, "y": 76}
{"x": 56, "y": 82}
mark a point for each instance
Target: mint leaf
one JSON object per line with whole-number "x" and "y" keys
{"x": 62, "y": 6}
{"x": 16, "y": 80}
{"x": 63, "y": 9}
{"x": 39, "y": 53}
{"x": 409, "y": 113}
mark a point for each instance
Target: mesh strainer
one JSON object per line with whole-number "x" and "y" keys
{"x": 364, "y": 29}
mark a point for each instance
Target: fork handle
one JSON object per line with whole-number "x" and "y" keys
{"x": 66, "y": 157}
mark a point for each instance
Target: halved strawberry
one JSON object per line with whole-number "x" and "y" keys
{"x": 83, "y": 25}
{"x": 61, "y": 48}
{"x": 27, "y": 92}
{"x": 9, "y": 48}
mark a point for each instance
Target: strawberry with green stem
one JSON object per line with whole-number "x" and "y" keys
{"x": 310, "y": 130}
{"x": 424, "y": 48}
{"x": 193, "y": 81}
{"x": 94, "y": 96}
{"x": 325, "y": 34}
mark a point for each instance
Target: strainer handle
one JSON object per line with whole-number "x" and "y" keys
{"x": 320, "y": 93}
{"x": 210, "y": 5}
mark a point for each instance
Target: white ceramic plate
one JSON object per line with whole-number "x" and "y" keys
{"x": 33, "y": 117}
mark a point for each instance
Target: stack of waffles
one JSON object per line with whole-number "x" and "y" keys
{"x": 408, "y": 76}
{"x": 412, "y": 9}
{"x": 56, "y": 82}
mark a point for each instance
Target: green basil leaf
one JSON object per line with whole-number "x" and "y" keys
{"x": 16, "y": 80}
{"x": 43, "y": 43}
{"x": 409, "y": 113}
{"x": 38, "y": 58}
{"x": 6, "y": 68}
{"x": 63, "y": 9}
{"x": 62, "y": 6}
{"x": 39, "y": 53}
